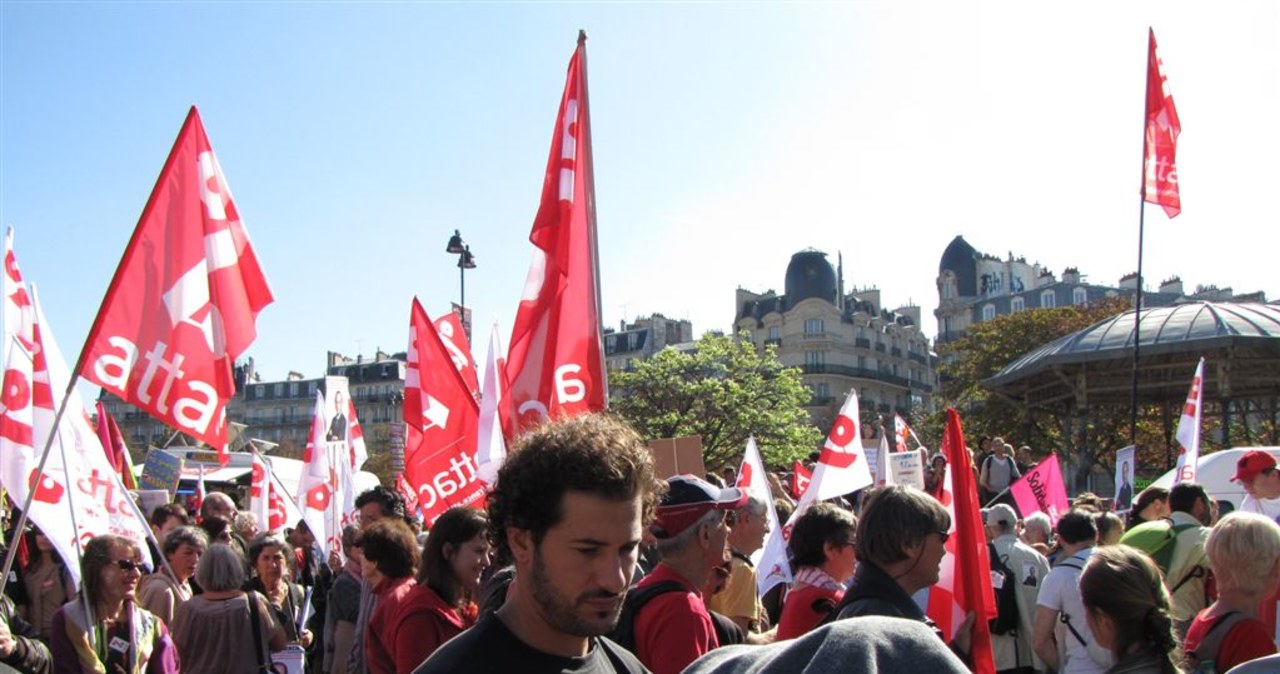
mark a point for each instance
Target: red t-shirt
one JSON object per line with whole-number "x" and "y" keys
{"x": 799, "y": 614}
{"x": 1247, "y": 640}
{"x": 674, "y": 628}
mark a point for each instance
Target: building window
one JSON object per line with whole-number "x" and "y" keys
{"x": 311, "y": 389}
{"x": 1017, "y": 304}
{"x": 293, "y": 389}
{"x": 813, "y": 326}
{"x": 988, "y": 312}
{"x": 1079, "y": 296}
{"x": 815, "y": 357}
{"x": 1048, "y": 300}
{"x": 279, "y": 390}
{"x": 775, "y": 332}
{"x": 862, "y": 362}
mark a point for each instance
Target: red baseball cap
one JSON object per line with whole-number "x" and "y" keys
{"x": 1253, "y": 463}
{"x": 688, "y": 498}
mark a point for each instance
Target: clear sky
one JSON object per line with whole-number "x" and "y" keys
{"x": 357, "y": 136}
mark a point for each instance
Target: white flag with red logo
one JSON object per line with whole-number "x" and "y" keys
{"x": 491, "y": 448}
{"x": 1188, "y": 434}
{"x": 454, "y": 337}
{"x": 18, "y": 314}
{"x": 184, "y": 299}
{"x": 318, "y": 488}
{"x": 441, "y": 423}
{"x": 842, "y": 465}
{"x": 358, "y": 453}
{"x": 79, "y": 494}
{"x": 266, "y": 499}
{"x": 771, "y": 558}
{"x": 902, "y": 431}
{"x": 555, "y": 367}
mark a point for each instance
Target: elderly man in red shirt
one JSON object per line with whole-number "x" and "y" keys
{"x": 674, "y": 628}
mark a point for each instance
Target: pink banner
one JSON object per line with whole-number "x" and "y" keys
{"x": 1041, "y": 490}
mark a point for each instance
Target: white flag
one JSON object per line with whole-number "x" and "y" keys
{"x": 770, "y": 560}
{"x": 883, "y": 469}
{"x": 491, "y": 448}
{"x": 1188, "y": 434}
{"x": 318, "y": 496}
{"x": 842, "y": 465}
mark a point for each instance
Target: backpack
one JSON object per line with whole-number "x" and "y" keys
{"x": 1004, "y": 584}
{"x": 1158, "y": 539}
{"x": 624, "y": 634}
{"x": 1203, "y": 660}
{"x": 1094, "y": 650}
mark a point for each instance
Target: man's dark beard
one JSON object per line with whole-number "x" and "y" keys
{"x": 559, "y": 613}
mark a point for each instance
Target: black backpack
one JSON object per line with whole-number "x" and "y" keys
{"x": 624, "y": 634}
{"x": 1006, "y": 594}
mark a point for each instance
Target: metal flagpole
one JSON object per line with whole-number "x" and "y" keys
{"x": 1137, "y": 307}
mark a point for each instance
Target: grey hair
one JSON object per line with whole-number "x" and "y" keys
{"x": 220, "y": 569}
{"x": 268, "y": 539}
{"x": 673, "y": 546}
{"x": 193, "y": 536}
{"x": 1038, "y": 521}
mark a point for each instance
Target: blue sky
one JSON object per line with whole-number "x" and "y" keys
{"x": 357, "y": 136}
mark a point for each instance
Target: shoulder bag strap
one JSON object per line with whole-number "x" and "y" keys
{"x": 256, "y": 627}
{"x": 1212, "y": 641}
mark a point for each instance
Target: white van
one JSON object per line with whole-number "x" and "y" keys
{"x": 1214, "y": 471}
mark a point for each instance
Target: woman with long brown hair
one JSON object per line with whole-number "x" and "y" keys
{"x": 1127, "y": 608}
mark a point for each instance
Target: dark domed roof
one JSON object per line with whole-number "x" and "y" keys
{"x": 810, "y": 275}
{"x": 961, "y": 259}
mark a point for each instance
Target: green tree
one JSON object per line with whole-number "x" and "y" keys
{"x": 725, "y": 391}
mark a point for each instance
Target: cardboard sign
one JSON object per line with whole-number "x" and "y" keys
{"x": 677, "y": 456}
{"x": 907, "y": 469}
{"x": 163, "y": 470}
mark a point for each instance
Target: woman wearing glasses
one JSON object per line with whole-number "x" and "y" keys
{"x": 822, "y": 560}
{"x": 104, "y": 630}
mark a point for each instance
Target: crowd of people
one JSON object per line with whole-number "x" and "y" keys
{"x": 584, "y": 561}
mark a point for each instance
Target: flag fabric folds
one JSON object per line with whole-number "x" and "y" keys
{"x": 184, "y": 301}
{"x": 267, "y": 499}
{"x": 555, "y": 365}
{"x": 113, "y": 444}
{"x": 1041, "y": 489}
{"x": 1159, "y": 150}
{"x": 1188, "y": 435}
{"x": 964, "y": 582}
{"x": 771, "y": 558}
{"x": 491, "y": 448}
{"x": 454, "y": 337}
{"x": 842, "y": 465}
{"x": 441, "y": 424}
{"x": 800, "y": 477}
{"x": 319, "y": 496}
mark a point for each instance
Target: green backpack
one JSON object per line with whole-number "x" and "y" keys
{"x": 1159, "y": 540}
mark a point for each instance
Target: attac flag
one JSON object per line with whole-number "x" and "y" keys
{"x": 19, "y": 318}
{"x": 771, "y": 558}
{"x": 441, "y": 420}
{"x": 555, "y": 366}
{"x": 1188, "y": 434}
{"x": 964, "y": 580}
{"x": 1160, "y": 171}
{"x": 1041, "y": 489}
{"x": 113, "y": 444}
{"x": 491, "y": 448}
{"x": 800, "y": 477}
{"x": 267, "y": 500}
{"x": 79, "y": 494}
{"x": 454, "y": 337}
{"x": 184, "y": 300}
{"x": 406, "y": 491}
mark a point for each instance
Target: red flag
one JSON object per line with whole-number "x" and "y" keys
{"x": 200, "y": 493}
{"x": 184, "y": 299}
{"x": 449, "y": 327}
{"x": 799, "y": 479}
{"x": 1041, "y": 489}
{"x": 113, "y": 444}
{"x": 1160, "y": 171}
{"x": 555, "y": 365}
{"x": 410, "y": 496}
{"x": 964, "y": 584}
{"x": 441, "y": 424}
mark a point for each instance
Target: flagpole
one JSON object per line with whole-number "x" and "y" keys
{"x": 1137, "y": 307}
{"x": 590, "y": 191}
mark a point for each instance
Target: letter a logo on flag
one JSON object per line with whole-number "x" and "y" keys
{"x": 184, "y": 300}
{"x": 1160, "y": 170}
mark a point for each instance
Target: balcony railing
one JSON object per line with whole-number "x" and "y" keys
{"x": 862, "y": 342}
{"x": 860, "y": 372}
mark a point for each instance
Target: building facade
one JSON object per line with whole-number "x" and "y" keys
{"x": 974, "y": 287}
{"x": 842, "y": 341}
{"x": 643, "y": 338}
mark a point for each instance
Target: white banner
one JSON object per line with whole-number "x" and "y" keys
{"x": 907, "y": 468}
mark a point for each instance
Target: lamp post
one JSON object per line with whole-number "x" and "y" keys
{"x": 465, "y": 261}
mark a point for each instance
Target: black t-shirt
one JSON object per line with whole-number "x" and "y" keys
{"x": 491, "y": 647}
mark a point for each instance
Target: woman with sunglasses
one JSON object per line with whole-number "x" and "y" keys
{"x": 822, "y": 559}
{"x": 104, "y": 630}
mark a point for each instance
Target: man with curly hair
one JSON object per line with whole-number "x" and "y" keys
{"x": 568, "y": 510}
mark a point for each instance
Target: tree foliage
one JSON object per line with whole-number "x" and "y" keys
{"x": 724, "y": 391}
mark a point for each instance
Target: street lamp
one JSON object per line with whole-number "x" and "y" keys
{"x": 465, "y": 261}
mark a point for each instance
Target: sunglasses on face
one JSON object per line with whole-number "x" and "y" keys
{"x": 128, "y": 565}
